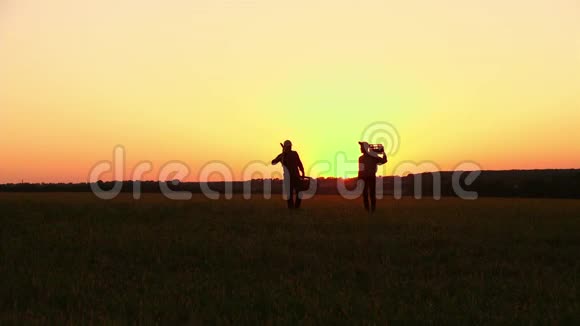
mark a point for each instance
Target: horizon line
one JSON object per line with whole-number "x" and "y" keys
{"x": 317, "y": 178}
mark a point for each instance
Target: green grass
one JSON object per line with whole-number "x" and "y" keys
{"x": 71, "y": 258}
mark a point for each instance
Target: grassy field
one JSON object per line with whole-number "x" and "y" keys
{"x": 70, "y": 258}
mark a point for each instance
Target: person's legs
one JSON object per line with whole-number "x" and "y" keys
{"x": 365, "y": 194}
{"x": 298, "y": 199}
{"x": 297, "y": 188}
{"x": 298, "y": 196}
{"x": 373, "y": 192}
{"x": 289, "y": 192}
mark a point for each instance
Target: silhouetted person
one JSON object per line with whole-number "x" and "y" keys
{"x": 293, "y": 169}
{"x": 367, "y": 169}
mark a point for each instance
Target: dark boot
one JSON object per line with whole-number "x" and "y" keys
{"x": 366, "y": 203}
{"x": 298, "y": 201}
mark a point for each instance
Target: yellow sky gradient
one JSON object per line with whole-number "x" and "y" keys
{"x": 493, "y": 82}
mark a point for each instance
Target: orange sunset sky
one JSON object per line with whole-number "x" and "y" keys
{"x": 493, "y": 82}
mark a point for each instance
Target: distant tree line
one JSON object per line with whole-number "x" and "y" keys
{"x": 514, "y": 183}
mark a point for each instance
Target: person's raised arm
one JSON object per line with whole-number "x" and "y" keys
{"x": 382, "y": 159}
{"x": 277, "y": 159}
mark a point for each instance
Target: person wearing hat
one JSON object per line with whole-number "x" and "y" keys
{"x": 293, "y": 170}
{"x": 367, "y": 169}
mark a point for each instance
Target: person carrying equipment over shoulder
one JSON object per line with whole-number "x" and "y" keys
{"x": 293, "y": 171}
{"x": 367, "y": 169}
